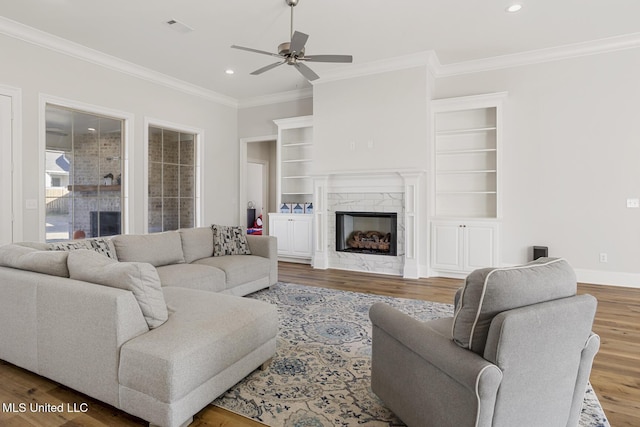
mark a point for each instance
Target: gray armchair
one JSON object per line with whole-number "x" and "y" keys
{"x": 518, "y": 352}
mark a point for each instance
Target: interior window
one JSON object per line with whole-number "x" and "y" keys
{"x": 172, "y": 160}
{"x": 83, "y": 174}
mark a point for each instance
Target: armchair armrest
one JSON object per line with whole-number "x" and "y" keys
{"x": 418, "y": 370}
{"x": 462, "y": 365}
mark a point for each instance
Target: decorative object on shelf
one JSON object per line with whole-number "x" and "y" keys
{"x": 297, "y": 209}
{"x": 108, "y": 179}
{"x": 119, "y": 179}
{"x": 286, "y": 208}
{"x": 308, "y": 208}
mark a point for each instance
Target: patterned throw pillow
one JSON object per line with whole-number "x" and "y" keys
{"x": 229, "y": 240}
{"x": 101, "y": 245}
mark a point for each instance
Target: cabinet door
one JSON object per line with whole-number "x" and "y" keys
{"x": 446, "y": 240}
{"x": 479, "y": 246}
{"x": 279, "y": 227}
{"x": 301, "y": 237}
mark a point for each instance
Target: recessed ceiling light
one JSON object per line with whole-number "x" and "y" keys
{"x": 91, "y": 129}
{"x": 229, "y": 71}
{"x": 514, "y": 8}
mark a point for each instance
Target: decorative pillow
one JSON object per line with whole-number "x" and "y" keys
{"x": 30, "y": 259}
{"x": 490, "y": 291}
{"x": 138, "y": 277}
{"x": 157, "y": 249}
{"x": 99, "y": 244}
{"x": 230, "y": 240}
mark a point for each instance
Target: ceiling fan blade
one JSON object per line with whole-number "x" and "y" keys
{"x": 267, "y": 68}
{"x": 328, "y": 58}
{"x": 306, "y": 71}
{"x": 298, "y": 40}
{"x": 256, "y": 51}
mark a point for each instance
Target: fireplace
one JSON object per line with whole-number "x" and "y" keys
{"x": 105, "y": 224}
{"x": 367, "y": 232}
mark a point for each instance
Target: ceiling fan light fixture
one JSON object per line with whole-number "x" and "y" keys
{"x": 292, "y": 52}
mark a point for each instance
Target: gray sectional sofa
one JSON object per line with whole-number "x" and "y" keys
{"x": 160, "y": 334}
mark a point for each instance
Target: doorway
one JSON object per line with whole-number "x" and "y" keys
{"x": 6, "y": 186}
{"x": 257, "y": 180}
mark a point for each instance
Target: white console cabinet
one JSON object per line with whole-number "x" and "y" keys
{"x": 295, "y": 236}
{"x": 463, "y": 246}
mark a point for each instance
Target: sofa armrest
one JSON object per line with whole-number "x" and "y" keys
{"x": 417, "y": 369}
{"x": 267, "y": 247}
{"x": 264, "y": 246}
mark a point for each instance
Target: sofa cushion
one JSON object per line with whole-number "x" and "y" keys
{"x": 101, "y": 245}
{"x": 206, "y": 334}
{"x": 157, "y": 249}
{"x": 196, "y": 243}
{"x": 192, "y": 276}
{"x": 490, "y": 291}
{"x": 26, "y": 258}
{"x": 239, "y": 269}
{"x": 229, "y": 240}
{"x": 137, "y": 277}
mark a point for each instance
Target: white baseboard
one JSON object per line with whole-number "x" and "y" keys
{"x": 610, "y": 278}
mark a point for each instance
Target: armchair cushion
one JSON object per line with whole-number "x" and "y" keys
{"x": 490, "y": 291}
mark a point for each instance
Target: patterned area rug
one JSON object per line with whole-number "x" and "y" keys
{"x": 320, "y": 376}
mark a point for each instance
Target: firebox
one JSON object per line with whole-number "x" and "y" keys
{"x": 367, "y": 232}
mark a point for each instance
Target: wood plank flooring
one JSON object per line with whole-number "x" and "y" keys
{"x": 615, "y": 375}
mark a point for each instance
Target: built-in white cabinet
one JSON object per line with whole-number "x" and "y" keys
{"x": 466, "y": 191}
{"x": 463, "y": 246}
{"x": 295, "y": 236}
{"x": 294, "y": 156}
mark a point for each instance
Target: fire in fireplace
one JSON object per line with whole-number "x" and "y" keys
{"x": 367, "y": 232}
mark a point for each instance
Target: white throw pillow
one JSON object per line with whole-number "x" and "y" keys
{"x": 138, "y": 277}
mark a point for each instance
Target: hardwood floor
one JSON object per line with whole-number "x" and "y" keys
{"x": 615, "y": 375}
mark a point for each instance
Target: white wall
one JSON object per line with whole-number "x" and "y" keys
{"x": 41, "y": 71}
{"x": 570, "y": 156}
{"x": 258, "y": 121}
{"x": 389, "y": 109}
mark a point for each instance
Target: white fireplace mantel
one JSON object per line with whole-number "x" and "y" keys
{"x": 403, "y": 181}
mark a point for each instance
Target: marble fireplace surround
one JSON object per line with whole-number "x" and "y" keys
{"x": 371, "y": 191}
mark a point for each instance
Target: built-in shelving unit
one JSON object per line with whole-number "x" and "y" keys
{"x": 294, "y": 153}
{"x": 466, "y": 156}
{"x": 466, "y": 183}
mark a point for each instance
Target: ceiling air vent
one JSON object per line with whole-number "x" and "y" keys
{"x": 178, "y": 26}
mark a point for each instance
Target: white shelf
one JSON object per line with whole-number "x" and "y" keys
{"x": 454, "y": 132}
{"x": 456, "y": 172}
{"x": 296, "y": 161}
{"x": 469, "y": 151}
{"x": 297, "y": 144}
{"x": 465, "y": 192}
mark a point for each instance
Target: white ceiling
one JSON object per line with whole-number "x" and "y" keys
{"x": 370, "y": 30}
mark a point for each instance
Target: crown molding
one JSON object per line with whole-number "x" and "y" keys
{"x": 276, "y": 98}
{"x": 413, "y": 60}
{"x": 49, "y": 41}
{"x": 595, "y": 47}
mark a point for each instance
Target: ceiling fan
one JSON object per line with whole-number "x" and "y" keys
{"x": 292, "y": 53}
